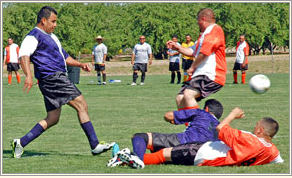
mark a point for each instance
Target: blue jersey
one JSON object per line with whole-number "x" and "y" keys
{"x": 201, "y": 128}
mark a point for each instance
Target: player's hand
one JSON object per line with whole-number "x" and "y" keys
{"x": 150, "y": 62}
{"x": 190, "y": 71}
{"x": 243, "y": 65}
{"x": 238, "y": 113}
{"x": 172, "y": 45}
{"x": 132, "y": 62}
{"x": 85, "y": 67}
{"x": 27, "y": 84}
{"x": 102, "y": 64}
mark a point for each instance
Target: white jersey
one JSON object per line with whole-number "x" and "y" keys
{"x": 99, "y": 50}
{"x": 142, "y": 52}
{"x": 176, "y": 57}
{"x": 11, "y": 53}
{"x": 241, "y": 52}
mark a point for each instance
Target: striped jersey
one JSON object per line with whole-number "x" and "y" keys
{"x": 242, "y": 50}
{"x": 11, "y": 52}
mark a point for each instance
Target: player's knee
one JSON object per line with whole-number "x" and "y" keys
{"x": 142, "y": 135}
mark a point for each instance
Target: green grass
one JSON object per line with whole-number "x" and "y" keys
{"x": 119, "y": 110}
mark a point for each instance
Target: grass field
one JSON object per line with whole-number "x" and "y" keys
{"x": 119, "y": 110}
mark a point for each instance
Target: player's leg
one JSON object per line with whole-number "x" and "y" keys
{"x": 135, "y": 76}
{"x": 172, "y": 76}
{"x": 9, "y": 77}
{"x": 17, "y": 76}
{"x": 189, "y": 98}
{"x": 180, "y": 101}
{"x": 103, "y": 77}
{"x": 178, "y": 76}
{"x": 143, "y": 69}
{"x": 140, "y": 142}
{"x": 98, "y": 77}
{"x": 243, "y": 74}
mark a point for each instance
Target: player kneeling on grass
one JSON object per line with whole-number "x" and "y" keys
{"x": 236, "y": 148}
{"x": 201, "y": 128}
{"x": 44, "y": 50}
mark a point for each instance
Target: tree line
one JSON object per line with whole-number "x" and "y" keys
{"x": 266, "y": 25}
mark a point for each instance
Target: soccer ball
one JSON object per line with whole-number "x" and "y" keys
{"x": 259, "y": 83}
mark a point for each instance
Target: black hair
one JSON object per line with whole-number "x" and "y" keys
{"x": 271, "y": 126}
{"x": 215, "y": 107}
{"x": 174, "y": 36}
{"x": 45, "y": 12}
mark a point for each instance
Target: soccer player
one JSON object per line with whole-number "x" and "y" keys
{"x": 208, "y": 71}
{"x": 187, "y": 60}
{"x": 201, "y": 128}
{"x": 99, "y": 53}
{"x": 241, "y": 63}
{"x": 236, "y": 148}
{"x": 44, "y": 50}
{"x": 142, "y": 53}
{"x": 11, "y": 54}
{"x": 174, "y": 57}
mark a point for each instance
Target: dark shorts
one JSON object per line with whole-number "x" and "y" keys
{"x": 140, "y": 66}
{"x": 203, "y": 84}
{"x": 185, "y": 154}
{"x": 99, "y": 67}
{"x": 57, "y": 90}
{"x": 161, "y": 141}
{"x": 237, "y": 66}
{"x": 186, "y": 64}
{"x": 173, "y": 66}
{"x": 12, "y": 67}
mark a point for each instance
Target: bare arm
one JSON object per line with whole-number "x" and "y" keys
{"x": 150, "y": 58}
{"x": 236, "y": 113}
{"x": 133, "y": 58}
{"x": 92, "y": 61}
{"x": 180, "y": 49}
{"x": 25, "y": 65}
{"x": 104, "y": 58}
{"x": 72, "y": 62}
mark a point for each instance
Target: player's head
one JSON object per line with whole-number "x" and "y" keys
{"x": 214, "y": 107}
{"x": 205, "y": 17}
{"x": 241, "y": 37}
{"x": 10, "y": 41}
{"x": 142, "y": 39}
{"x": 266, "y": 127}
{"x": 188, "y": 37}
{"x": 47, "y": 19}
{"x": 174, "y": 38}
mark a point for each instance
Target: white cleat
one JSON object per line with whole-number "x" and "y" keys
{"x": 102, "y": 147}
{"x": 130, "y": 159}
{"x": 142, "y": 83}
{"x": 133, "y": 84}
{"x": 17, "y": 149}
{"x": 115, "y": 161}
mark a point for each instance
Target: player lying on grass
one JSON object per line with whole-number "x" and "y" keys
{"x": 201, "y": 128}
{"x": 236, "y": 147}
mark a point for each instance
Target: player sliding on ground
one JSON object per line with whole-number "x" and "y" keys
{"x": 208, "y": 71}
{"x": 236, "y": 147}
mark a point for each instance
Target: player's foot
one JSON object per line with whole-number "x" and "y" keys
{"x": 130, "y": 159}
{"x": 171, "y": 82}
{"x": 142, "y": 83}
{"x": 98, "y": 83}
{"x": 115, "y": 150}
{"x": 115, "y": 161}
{"x": 235, "y": 83}
{"x": 102, "y": 147}
{"x": 133, "y": 84}
{"x": 104, "y": 83}
{"x": 17, "y": 149}
{"x": 242, "y": 83}
{"x": 178, "y": 82}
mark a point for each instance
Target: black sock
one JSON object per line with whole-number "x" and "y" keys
{"x": 178, "y": 77}
{"x": 172, "y": 77}
{"x": 135, "y": 76}
{"x": 143, "y": 77}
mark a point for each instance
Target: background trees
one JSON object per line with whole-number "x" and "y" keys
{"x": 266, "y": 25}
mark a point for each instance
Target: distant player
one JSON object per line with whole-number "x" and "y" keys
{"x": 99, "y": 53}
{"x": 241, "y": 63}
{"x": 11, "y": 54}
{"x": 142, "y": 53}
{"x": 174, "y": 58}
{"x": 187, "y": 60}
{"x": 236, "y": 148}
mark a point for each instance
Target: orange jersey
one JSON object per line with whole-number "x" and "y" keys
{"x": 11, "y": 52}
{"x": 212, "y": 44}
{"x": 240, "y": 148}
{"x": 242, "y": 50}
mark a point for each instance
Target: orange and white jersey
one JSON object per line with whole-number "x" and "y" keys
{"x": 212, "y": 44}
{"x": 238, "y": 148}
{"x": 242, "y": 50}
{"x": 11, "y": 52}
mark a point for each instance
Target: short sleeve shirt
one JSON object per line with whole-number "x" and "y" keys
{"x": 99, "y": 50}
{"x": 142, "y": 52}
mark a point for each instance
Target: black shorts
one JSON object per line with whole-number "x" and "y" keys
{"x": 185, "y": 154}
{"x": 203, "y": 84}
{"x": 237, "y": 66}
{"x": 160, "y": 141}
{"x": 186, "y": 64}
{"x": 12, "y": 67}
{"x": 173, "y": 66}
{"x": 57, "y": 90}
{"x": 140, "y": 66}
{"x": 99, "y": 67}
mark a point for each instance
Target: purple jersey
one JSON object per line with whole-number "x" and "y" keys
{"x": 201, "y": 128}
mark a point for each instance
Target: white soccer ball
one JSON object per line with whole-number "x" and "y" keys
{"x": 259, "y": 83}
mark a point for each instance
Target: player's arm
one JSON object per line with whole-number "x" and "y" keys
{"x": 150, "y": 58}
{"x": 72, "y": 62}
{"x": 236, "y": 113}
{"x": 25, "y": 65}
{"x": 180, "y": 49}
{"x": 133, "y": 58}
{"x": 92, "y": 60}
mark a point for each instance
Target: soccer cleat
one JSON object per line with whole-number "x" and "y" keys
{"x": 104, "y": 83}
{"x": 130, "y": 159}
{"x": 17, "y": 149}
{"x": 133, "y": 84}
{"x": 115, "y": 150}
{"x": 98, "y": 83}
{"x": 142, "y": 83}
{"x": 102, "y": 147}
{"x": 115, "y": 161}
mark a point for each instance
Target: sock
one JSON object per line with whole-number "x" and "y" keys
{"x": 135, "y": 76}
{"x": 9, "y": 79}
{"x": 243, "y": 78}
{"x": 104, "y": 77}
{"x": 98, "y": 77}
{"x": 34, "y": 133}
{"x": 18, "y": 78}
{"x": 143, "y": 76}
{"x": 185, "y": 76}
{"x": 178, "y": 77}
{"x": 139, "y": 147}
{"x": 154, "y": 158}
{"x": 90, "y": 133}
{"x": 235, "y": 77}
{"x": 172, "y": 77}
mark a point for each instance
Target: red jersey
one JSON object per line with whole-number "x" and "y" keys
{"x": 238, "y": 148}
